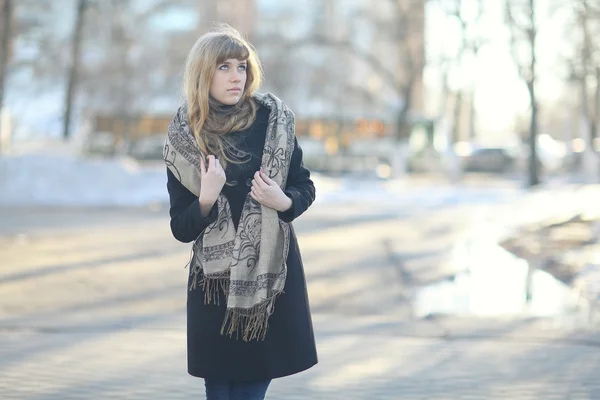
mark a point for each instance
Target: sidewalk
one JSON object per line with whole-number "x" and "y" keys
{"x": 94, "y": 309}
{"x": 367, "y": 363}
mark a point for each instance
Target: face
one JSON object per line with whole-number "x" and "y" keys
{"x": 229, "y": 81}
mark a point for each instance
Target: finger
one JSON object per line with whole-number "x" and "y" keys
{"x": 211, "y": 162}
{"x": 265, "y": 177}
{"x": 255, "y": 188}
{"x": 259, "y": 181}
{"x": 257, "y": 195}
{"x": 259, "y": 186}
{"x": 202, "y": 165}
{"x": 220, "y": 167}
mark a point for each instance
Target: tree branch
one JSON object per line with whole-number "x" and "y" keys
{"x": 162, "y": 5}
{"x": 512, "y": 25}
{"x": 348, "y": 47}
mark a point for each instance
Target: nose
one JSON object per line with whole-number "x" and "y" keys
{"x": 235, "y": 76}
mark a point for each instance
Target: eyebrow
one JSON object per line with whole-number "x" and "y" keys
{"x": 241, "y": 62}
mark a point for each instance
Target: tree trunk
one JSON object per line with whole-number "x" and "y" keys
{"x": 4, "y": 44}
{"x": 596, "y": 120}
{"x": 403, "y": 123}
{"x": 456, "y": 118}
{"x": 472, "y": 115}
{"x": 74, "y": 69}
{"x": 533, "y": 176}
{"x": 5, "y": 41}
{"x": 585, "y": 110}
{"x": 589, "y": 164}
{"x": 398, "y": 156}
{"x": 444, "y": 95}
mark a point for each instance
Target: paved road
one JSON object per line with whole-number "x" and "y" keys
{"x": 92, "y": 307}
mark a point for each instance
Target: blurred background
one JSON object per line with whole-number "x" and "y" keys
{"x": 391, "y": 87}
{"x": 455, "y": 150}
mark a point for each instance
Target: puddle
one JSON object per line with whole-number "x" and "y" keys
{"x": 494, "y": 282}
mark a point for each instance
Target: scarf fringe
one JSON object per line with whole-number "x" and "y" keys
{"x": 212, "y": 285}
{"x": 252, "y": 322}
{"x": 194, "y": 283}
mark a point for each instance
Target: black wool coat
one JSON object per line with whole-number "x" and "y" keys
{"x": 289, "y": 346}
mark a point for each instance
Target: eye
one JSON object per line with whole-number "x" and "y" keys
{"x": 243, "y": 67}
{"x": 223, "y": 67}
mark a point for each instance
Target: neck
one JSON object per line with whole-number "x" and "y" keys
{"x": 220, "y": 108}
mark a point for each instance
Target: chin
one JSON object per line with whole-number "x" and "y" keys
{"x": 230, "y": 101}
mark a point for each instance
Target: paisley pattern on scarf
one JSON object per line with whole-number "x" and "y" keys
{"x": 249, "y": 263}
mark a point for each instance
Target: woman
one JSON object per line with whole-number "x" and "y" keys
{"x": 236, "y": 181}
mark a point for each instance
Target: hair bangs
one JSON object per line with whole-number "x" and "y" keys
{"x": 232, "y": 49}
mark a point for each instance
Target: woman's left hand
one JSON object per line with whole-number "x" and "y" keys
{"x": 268, "y": 193}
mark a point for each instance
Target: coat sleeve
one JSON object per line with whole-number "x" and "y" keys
{"x": 187, "y": 222}
{"x": 299, "y": 188}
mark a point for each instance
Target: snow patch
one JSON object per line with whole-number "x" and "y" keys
{"x": 63, "y": 179}
{"x": 60, "y": 180}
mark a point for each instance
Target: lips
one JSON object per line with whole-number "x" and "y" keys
{"x": 235, "y": 90}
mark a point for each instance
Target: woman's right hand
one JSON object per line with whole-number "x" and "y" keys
{"x": 212, "y": 180}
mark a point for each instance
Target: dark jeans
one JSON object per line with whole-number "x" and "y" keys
{"x": 226, "y": 390}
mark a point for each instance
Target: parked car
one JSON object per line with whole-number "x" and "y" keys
{"x": 489, "y": 159}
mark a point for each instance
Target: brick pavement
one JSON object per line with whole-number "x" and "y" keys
{"x": 150, "y": 364}
{"x": 95, "y": 311}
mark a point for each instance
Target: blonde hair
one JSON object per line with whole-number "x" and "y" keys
{"x": 208, "y": 122}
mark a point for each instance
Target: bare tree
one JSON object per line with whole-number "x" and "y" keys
{"x": 469, "y": 44}
{"x": 402, "y": 29}
{"x": 84, "y": 68}
{"x": 586, "y": 15}
{"x": 456, "y": 11}
{"x": 594, "y": 129}
{"x": 5, "y": 40}
{"x": 521, "y": 20}
{"x": 120, "y": 43}
{"x": 475, "y": 43}
{"x": 278, "y": 67}
{"x": 443, "y": 63}
{"x": 34, "y": 27}
{"x": 74, "y": 68}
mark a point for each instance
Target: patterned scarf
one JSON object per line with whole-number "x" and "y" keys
{"x": 248, "y": 265}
